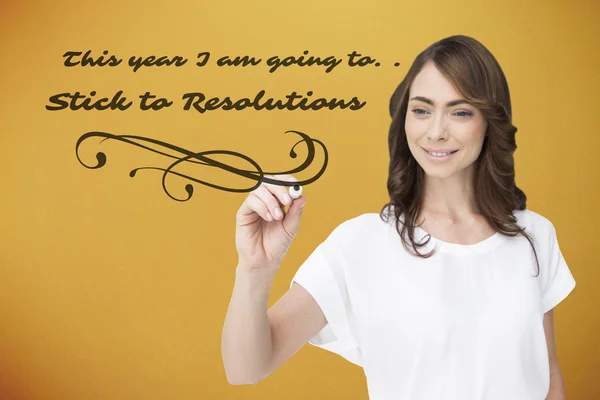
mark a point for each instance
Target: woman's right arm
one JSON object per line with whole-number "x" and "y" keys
{"x": 256, "y": 341}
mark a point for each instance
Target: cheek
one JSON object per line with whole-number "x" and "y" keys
{"x": 408, "y": 126}
{"x": 470, "y": 135}
{"x": 414, "y": 128}
{"x": 470, "y": 132}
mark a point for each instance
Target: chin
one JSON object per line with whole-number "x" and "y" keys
{"x": 438, "y": 173}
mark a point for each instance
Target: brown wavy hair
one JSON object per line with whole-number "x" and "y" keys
{"x": 476, "y": 74}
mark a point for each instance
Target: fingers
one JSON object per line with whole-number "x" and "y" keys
{"x": 253, "y": 204}
{"x": 279, "y": 191}
{"x": 275, "y": 195}
{"x": 266, "y": 200}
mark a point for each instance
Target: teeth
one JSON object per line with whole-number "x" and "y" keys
{"x": 438, "y": 154}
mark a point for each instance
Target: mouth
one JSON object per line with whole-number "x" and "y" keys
{"x": 440, "y": 156}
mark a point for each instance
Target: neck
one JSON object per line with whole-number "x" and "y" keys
{"x": 450, "y": 197}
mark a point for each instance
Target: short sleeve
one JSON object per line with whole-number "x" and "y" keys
{"x": 559, "y": 281}
{"x": 322, "y": 275}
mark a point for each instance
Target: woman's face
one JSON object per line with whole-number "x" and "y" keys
{"x": 447, "y": 127}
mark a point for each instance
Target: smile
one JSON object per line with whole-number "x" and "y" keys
{"x": 439, "y": 156}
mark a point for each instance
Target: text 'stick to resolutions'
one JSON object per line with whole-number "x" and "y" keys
{"x": 198, "y": 101}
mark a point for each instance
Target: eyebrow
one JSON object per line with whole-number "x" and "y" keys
{"x": 448, "y": 104}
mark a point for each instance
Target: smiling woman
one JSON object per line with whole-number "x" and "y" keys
{"x": 470, "y": 319}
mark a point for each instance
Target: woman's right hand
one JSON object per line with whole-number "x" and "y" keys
{"x": 262, "y": 236}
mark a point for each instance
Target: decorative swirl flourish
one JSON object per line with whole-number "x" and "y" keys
{"x": 258, "y": 174}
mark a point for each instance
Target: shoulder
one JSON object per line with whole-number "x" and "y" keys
{"x": 539, "y": 227}
{"x": 534, "y": 222}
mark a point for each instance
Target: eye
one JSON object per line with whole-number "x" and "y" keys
{"x": 416, "y": 111}
{"x": 466, "y": 113}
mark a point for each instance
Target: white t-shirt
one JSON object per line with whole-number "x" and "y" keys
{"x": 465, "y": 324}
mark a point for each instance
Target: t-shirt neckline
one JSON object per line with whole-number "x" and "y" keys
{"x": 456, "y": 248}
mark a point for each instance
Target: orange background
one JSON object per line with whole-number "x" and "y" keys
{"x": 109, "y": 289}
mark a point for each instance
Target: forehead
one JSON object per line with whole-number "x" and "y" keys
{"x": 430, "y": 83}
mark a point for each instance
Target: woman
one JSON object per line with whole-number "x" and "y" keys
{"x": 472, "y": 316}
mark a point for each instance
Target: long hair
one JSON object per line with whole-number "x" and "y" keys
{"x": 476, "y": 74}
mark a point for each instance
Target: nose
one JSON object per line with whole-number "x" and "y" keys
{"x": 438, "y": 128}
